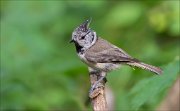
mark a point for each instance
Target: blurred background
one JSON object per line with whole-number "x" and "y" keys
{"x": 41, "y": 71}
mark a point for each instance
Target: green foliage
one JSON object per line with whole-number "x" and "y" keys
{"x": 145, "y": 94}
{"x": 149, "y": 89}
{"x": 125, "y": 14}
{"x": 40, "y": 69}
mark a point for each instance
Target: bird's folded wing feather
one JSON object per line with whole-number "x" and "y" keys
{"x": 111, "y": 55}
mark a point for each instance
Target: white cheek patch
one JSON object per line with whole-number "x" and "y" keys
{"x": 95, "y": 38}
{"x": 88, "y": 41}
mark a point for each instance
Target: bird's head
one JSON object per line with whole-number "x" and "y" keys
{"x": 83, "y": 36}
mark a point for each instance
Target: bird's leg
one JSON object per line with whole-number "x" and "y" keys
{"x": 97, "y": 84}
{"x": 100, "y": 81}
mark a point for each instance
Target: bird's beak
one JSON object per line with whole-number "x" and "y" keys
{"x": 71, "y": 41}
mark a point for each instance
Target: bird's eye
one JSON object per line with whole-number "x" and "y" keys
{"x": 82, "y": 37}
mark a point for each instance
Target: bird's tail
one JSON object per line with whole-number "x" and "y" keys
{"x": 146, "y": 66}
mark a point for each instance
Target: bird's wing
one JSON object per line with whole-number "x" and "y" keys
{"x": 111, "y": 55}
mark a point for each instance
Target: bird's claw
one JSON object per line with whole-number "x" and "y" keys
{"x": 94, "y": 91}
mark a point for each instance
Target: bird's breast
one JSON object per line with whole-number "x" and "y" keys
{"x": 107, "y": 66}
{"x": 83, "y": 59}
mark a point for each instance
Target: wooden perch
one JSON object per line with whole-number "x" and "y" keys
{"x": 98, "y": 98}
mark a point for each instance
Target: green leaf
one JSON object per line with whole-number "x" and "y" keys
{"x": 150, "y": 88}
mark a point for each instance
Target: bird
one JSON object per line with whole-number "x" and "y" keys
{"x": 101, "y": 56}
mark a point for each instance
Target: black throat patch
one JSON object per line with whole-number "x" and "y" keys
{"x": 78, "y": 48}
